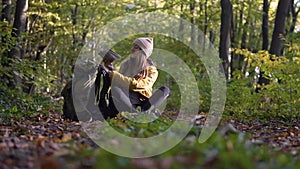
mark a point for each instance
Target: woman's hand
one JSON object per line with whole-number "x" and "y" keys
{"x": 104, "y": 70}
{"x": 108, "y": 63}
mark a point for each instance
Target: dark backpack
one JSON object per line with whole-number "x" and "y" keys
{"x": 103, "y": 96}
{"x": 68, "y": 107}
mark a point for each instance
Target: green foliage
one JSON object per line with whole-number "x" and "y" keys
{"x": 142, "y": 130}
{"x": 241, "y": 97}
{"x": 33, "y": 73}
{"x": 220, "y": 151}
{"x": 7, "y": 41}
{"x": 16, "y": 105}
{"x": 279, "y": 98}
{"x": 57, "y": 26}
{"x": 292, "y": 45}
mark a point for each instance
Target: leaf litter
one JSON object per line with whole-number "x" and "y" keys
{"x": 47, "y": 141}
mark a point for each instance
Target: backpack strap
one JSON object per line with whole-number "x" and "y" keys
{"x": 98, "y": 86}
{"x": 102, "y": 85}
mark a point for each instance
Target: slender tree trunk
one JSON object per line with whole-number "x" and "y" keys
{"x": 241, "y": 33}
{"x": 181, "y": 26}
{"x": 200, "y": 38}
{"x": 212, "y": 38}
{"x": 74, "y": 21}
{"x": 265, "y": 45}
{"x": 265, "y": 25}
{"x": 19, "y": 27}
{"x": 225, "y": 29}
{"x": 278, "y": 33}
{"x": 253, "y": 44}
{"x": 6, "y": 11}
{"x": 241, "y": 18}
{"x": 244, "y": 36}
{"x": 235, "y": 25}
{"x": 243, "y": 46}
{"x": 294, "y": 11}
{"x": 205, "y": 17}
{"x": 234, "y": 57}
{"x": 193, "y": 21}
{"x": 205, "y": 24}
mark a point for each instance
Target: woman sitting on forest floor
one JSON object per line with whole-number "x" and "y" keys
{"x": 131, "y": 87}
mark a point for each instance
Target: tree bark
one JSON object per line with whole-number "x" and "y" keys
{"x": 19, "y": 26}
{"x": 241, "y": 33}
{"x": 200, "y": 38}
{"x": 212, "y": 38}
{"x": 278, "y": 33}
{"x": 241, "y": 16}
{"x": 226, "y": 16}
{"x": 193, "y": 21}
{"x": 234, "y": 57}
{"x": 294, "y": 11}
{"x": 244, "y": 36}
{"x": 205, "y": 24}
{"x": 74, "y": 22}
{"x": 6, "y": 11}
{"x": 265, "y": 25}
{"x": 181, "y": 26}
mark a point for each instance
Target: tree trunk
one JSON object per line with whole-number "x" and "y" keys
{"x": 225, "y": 29}
{"x": 200, "y": 38}
{"x": 234, "y": 57}
{"x": 294, "y": 13}
{"x": 244, "y": 36}
{"x": 240, "y": 23}
{"x": 181, "y": 26}
{"x": 205, "y": 17}
{"x": 6, "y": 11}
{"x": 278, "y": 33}
{"x": 205, "y": 24}
{"x": 265, "y": 25}
{"x": 74, "y": 22}
{"x": 241, "y": 33}
{"x": 212, "y": 39}
{"x": 265, "y": 45}
{"x": 19, "y": 26}
{"x": 193, "y": 21}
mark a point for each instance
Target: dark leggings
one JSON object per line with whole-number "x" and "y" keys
{"x": 129, "y": 100}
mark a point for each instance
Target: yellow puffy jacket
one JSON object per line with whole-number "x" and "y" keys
{"x": 143, "y": 86}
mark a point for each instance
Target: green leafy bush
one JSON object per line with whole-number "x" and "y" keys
{"x": 16, "y": 104}
{"x": 279, "y": 98}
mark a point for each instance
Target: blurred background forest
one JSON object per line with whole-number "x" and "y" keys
{"x": 258, "y": 43}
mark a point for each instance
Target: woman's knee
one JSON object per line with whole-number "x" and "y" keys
{"x": 165, "y": 90}
{"x": 117, "y": 92}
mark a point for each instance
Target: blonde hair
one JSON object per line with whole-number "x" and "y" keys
{"x": 136, "y": 66}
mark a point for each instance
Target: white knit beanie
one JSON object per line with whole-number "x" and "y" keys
{"x": 146, "y": 44}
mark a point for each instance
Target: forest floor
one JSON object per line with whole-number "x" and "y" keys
{"x": 49, "y": 142}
